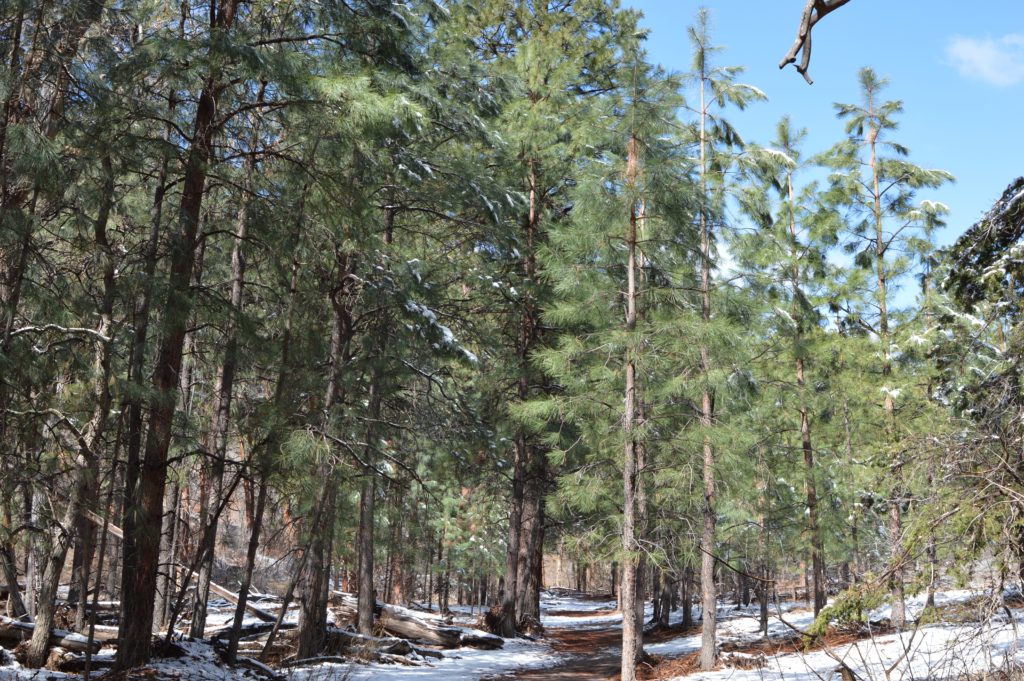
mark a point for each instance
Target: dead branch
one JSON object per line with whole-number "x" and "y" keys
{"x": 814, "y": 12}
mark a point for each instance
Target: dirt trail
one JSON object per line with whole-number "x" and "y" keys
{"x": 594, "y": 656}
{"x": 588, "y": 654}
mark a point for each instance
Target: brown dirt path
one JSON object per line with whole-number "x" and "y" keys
{"x": 589, "y": 654}
{"x": 591, "y": 659}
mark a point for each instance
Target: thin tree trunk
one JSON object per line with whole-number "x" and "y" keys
{"x": 165, "y": 580}
{"x": 250, "y": 563}
{"x": 531, "y": 545}
{"x": 367, "y": 495}
{"x": 313, "y": 615}
{"x": 898, "y": 616}
{"x": 709, "y": 597}
{"x": 632, "y": 634}
{"x": 763, "y": 511}
{"x": 687, "y": 598}
{"x": 102, "y": 552}
{"x": 529, "y": 597}
{"x": 367, "y": 500}
{"x": 39, "y": 644}
{"x": 810, "y": 488}
{"x": 221, "y": 418}
{"x": 86, "y": 473}
{"x": 507, "y": 620}
{"x": 641, "y": 490}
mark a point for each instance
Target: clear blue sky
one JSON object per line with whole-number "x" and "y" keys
{"x": 958, "y": 67}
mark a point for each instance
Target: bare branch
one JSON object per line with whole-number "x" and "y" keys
{"x": 814, "y": 12}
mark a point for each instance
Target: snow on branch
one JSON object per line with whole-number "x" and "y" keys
{"x": 69, "y": 330}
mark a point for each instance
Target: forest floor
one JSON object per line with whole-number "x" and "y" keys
{"x": 968, "y": 634}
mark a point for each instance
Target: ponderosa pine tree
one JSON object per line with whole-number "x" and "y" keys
{"x": 888, "y": 233}
{"x": 715, "y": 140}
{"x": 609, "y": 279}
{"x": 788, "y": 257}
{"x": 557, "y": 60}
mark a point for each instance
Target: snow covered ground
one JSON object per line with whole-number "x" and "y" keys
{"x": 465, "y": 663}
{"x": 944, "y": 650}
{"x": 937, "y": 651}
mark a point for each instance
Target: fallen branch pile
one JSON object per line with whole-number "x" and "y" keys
{"x": 409, "y": 624}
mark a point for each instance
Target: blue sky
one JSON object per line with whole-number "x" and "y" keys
{"x": 958, "y": 67}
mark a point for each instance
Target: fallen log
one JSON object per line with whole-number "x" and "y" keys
{"x": 313, "y": 661}
{"x": 248, "y": 630}
{"x": 259, "y": 668}
{"x": 398, "y": 659}
{"x": 103, "y": 633}
{"x": 249, "y": 607}
{"x": 214, "y": 587}
{"x": 406, "y": 623}
{"x": 428, "y": 652}
{"x": 339, "y": 640}
{"x": 63, "y": 661}
{"x": 13, "y": 631}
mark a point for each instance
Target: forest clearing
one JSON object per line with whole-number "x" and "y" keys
{"x": 510, "y": 339}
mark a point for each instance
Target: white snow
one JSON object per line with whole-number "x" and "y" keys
{"x": 934, "y": 651}
{"x": 464, "y": 663}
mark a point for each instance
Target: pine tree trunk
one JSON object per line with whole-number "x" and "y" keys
{"x": 534, "y": 583}
{"x": 817, "y": 550}
{"x": 763, "y": 512}
{"x": 709, "y": 596}
{"x": 665, "y": 590}
{"x": 367, "y": 501}
{"x": 687, "y": 598}
{"x": 250, "y": 564}
{"x": 368, "y": 493}
{"x": 39, "y": 644}
{"x": 167, "y": 581}
{"x": 898, "y": 616}
{"x": 145, "y": 503}
{"x": 810, "y": 488}
{"x": 13, "y": 268}
{"x": 523, "y": 450}
{"x": 313, "y": 614}
{"x": 313, "y": 604}
{"x": 136, "y": 362}
{"x": 642, "y": 571}
{"x": 506, "y": 626}
{"x": 632, "y": 634}
{"x": 175, "y": 523}
{"x": 221, "y": 419}
{"x": 656, "y": 602}
{"x": 531, "y": 547}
